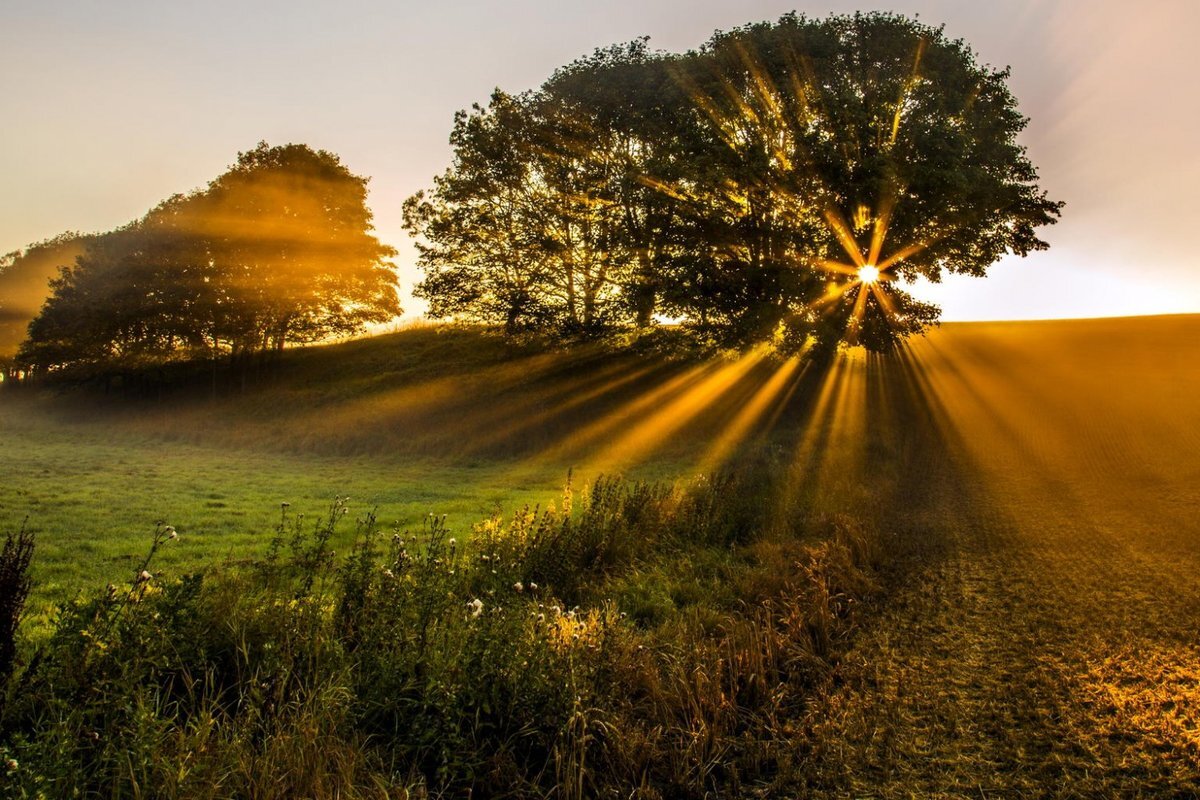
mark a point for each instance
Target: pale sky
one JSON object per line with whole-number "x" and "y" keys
{"x": 109, "y": 107}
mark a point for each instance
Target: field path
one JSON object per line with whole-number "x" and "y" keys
{"x": 1046, "y": 641}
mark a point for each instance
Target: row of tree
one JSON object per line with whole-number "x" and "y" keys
{"x": 740, "y": 189}
{"x": 277, "y": 250}
{"x": 773, "y": 185}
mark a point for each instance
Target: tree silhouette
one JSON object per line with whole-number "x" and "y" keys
{"x": 775, "y": 184}
{"x": 277, "y": 250}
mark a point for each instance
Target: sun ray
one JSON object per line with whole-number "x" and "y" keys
{"x": 586, "y": 436}
{"x": 883, "y": 217}
{"x": 838, "y": 267}
{"x": 651, "y": 431}
{"x": 854, "y": 326}
{"x": 750, "y": 413}
{"x": 907, "y": 88}
{"x": 903, "y": 253}
{"x": 502, "y": 428}
{"x": 844, "y": 236}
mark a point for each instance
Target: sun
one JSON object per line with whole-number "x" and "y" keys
{"x": 868, "y": 273}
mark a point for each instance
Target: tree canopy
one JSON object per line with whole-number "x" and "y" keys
{"x": 24, "y": 278}
{"x": 279, "y": 249}
{"x": 776, "y": 184}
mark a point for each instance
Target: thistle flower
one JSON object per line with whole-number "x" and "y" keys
{"x": 475, "y": 607}
{"x": 532, "y": 586}
{"x": 518, "y": 587}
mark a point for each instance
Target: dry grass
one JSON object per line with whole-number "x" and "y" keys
{"x": 1048, "y": 647}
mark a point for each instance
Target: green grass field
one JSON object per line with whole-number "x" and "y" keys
{"x": 388, "y": 422}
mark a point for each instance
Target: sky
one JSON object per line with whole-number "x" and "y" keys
{"x": 109, "y": 107}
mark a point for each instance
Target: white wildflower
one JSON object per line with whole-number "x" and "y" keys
{"x": 452, "y": 542}
{"x": 518, "y": 587}
{"x": 387, "y": 573}
{"x": 144, "y": 576}
{"x": 475, "y": 607}
{"x": 532, "y": 586}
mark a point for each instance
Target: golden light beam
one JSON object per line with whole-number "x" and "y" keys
{"x": 885, "y": 302}
{"x": 883, "y": 217}
{"x": 652, "y": 431}
{"x": 860, "y": 307}
{"x": 837, "y": 266}
{"x": 844, "y": 236}
{"x": 754, "y": 409}
{"x": 586, "y": 435}
{"x": 913, "y": 77}
{"x": 903, "y": 253}
{"x": 500, "y": 428}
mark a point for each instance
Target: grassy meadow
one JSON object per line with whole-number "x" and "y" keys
{"x": 969, "y": 568}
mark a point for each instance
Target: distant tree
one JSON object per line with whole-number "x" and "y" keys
{"x": 772, "y": 185}
{"x": 277, "y": 250}
{"x": 25, "y": 277}
{"x": 291, "y": 239}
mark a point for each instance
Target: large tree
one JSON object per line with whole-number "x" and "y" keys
{"x": 277, "y": 250}
{"x": 526, "y": 228}
{"x": 773, "y": 184}
{"x": 891, "y": 140}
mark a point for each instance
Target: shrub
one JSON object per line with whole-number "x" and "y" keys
{"x": 637, "y": 639}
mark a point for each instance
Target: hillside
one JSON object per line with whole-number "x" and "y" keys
{"x": 1051, "y": 641}
{"x": 1037, "y": 483}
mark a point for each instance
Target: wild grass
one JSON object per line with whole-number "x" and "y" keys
{"x": 393, "y": 422}
{"x": 636, "y": 639}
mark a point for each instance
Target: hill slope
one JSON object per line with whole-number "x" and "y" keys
{"x": 1049, "y": 647}
{"x": 1039, "y": 636}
